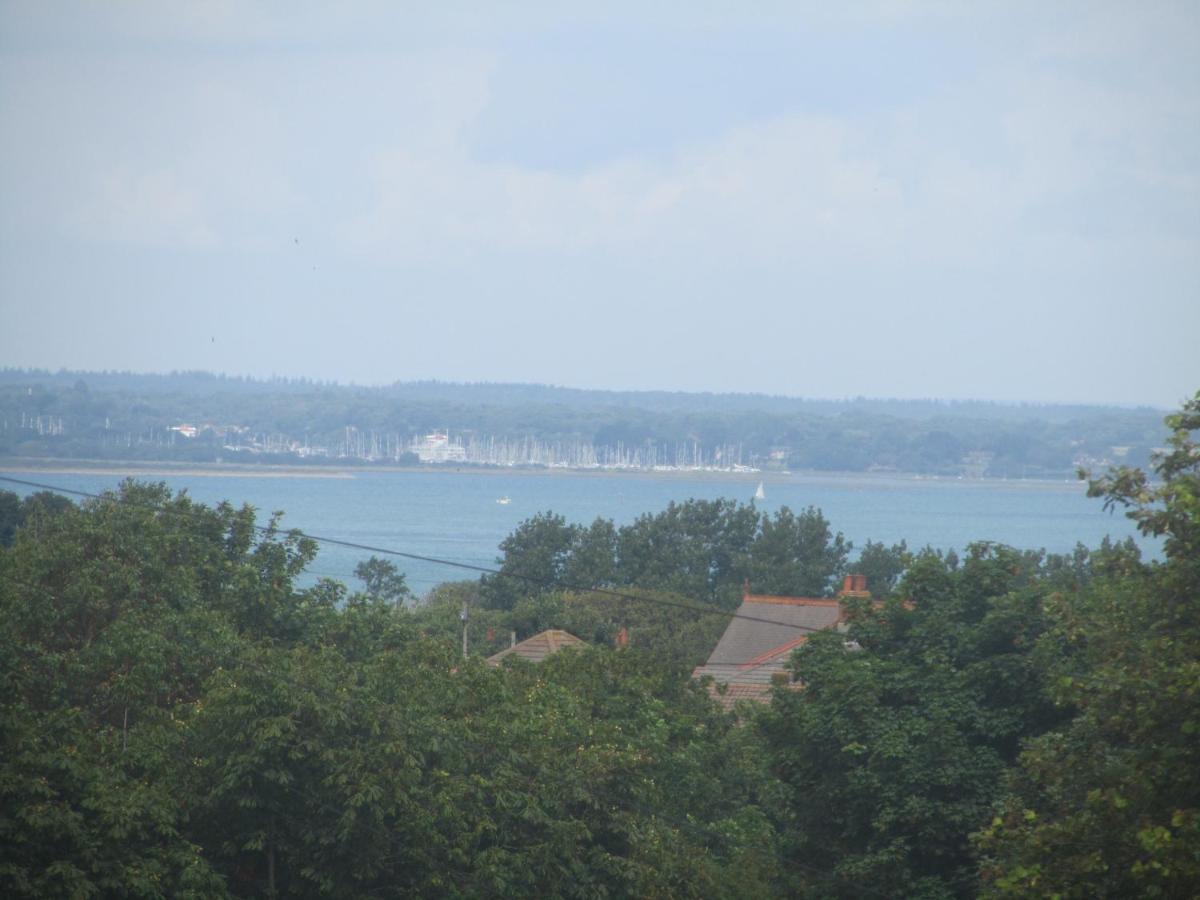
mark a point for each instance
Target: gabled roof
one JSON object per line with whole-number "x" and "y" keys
{"x": 765, "y": 624}
{"x": 754, "y": 650}
{"x": 538, "y": 647}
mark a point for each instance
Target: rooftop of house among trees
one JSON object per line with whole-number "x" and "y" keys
{"x": 752, "y": 654}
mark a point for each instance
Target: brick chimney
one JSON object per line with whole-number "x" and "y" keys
{"x": 854, "y": 586}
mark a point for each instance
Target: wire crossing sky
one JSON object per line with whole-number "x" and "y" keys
{"x": 691, "y": 606}
{"x": 906, "y": 199}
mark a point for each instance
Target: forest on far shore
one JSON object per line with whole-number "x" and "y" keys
{"x": 123, "y": 416}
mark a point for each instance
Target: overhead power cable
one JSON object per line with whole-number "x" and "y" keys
{"x": 433, "y": 560}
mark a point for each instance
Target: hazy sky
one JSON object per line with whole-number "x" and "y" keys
{"x": 908, "y": 199}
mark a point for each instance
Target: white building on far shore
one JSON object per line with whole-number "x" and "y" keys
{"x": 438, "y": 448}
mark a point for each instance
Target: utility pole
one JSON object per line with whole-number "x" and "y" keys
{"x": 465, "y": 615}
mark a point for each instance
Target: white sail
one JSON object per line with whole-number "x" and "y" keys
{"x": 760, "y": 494}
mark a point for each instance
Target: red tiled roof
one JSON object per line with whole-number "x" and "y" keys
{"x": 734, "y": 693}
{"x": 538, "y": 647}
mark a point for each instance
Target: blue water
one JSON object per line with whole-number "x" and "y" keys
{"x": 454, "y": 514}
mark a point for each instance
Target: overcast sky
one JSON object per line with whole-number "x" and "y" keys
{"x": 960, "y": 200}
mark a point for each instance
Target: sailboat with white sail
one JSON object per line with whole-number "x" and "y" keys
{"x": 760, "y": 494}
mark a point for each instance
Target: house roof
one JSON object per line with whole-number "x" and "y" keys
{"x": 538, "y": 647}
{"x": 732, "y": 694}
{"x": 754, "y": 650}
{"x": 765, "y": 624}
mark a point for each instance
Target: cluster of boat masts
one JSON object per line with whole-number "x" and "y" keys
{"x": 439, "y": 447}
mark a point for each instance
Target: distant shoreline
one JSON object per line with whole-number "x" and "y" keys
{"x": 139, "y": 469}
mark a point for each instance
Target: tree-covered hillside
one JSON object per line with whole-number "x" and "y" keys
{"x": 80, "y": 415}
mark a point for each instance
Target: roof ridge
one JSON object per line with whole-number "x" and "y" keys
{"x": 780, "y": 600}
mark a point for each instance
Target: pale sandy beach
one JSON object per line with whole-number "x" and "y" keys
{"x": 151, "y": 469}
{"x": 136, "y": 470}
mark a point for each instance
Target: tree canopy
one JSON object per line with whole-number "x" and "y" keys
{"x": 178, "y": 718}
{"x": 703, "y": 549}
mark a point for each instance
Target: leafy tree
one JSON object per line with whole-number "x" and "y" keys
{"x": 882, "y": 565}
{"x": 176, "y": 719}
{"x": 797, "y": 555}
{"x": 659, "y": 793}
{"x": 113, "y": 617}
{"x": 1108, "y": 804}
{"x": 593, "y": 558}
{"x": 383, "y": 580}
{"x": 10, "y": 517}
{"x": 535, "y": 557}
{"x": 895, "y": 748}
{"x": 699, "y": 549}
{"x": 438, "y": 616}
{"x": 16, "y": 512}
{"x": 703, "y": 550}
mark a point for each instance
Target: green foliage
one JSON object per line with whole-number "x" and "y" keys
{"x": 176, "y": 719}
{"x": 110, "y": 629}
{"x": 797, "y": 555}
{"x": 882, "y": 566}
{"x": 383, "y": 580}
{"x": 894, "y": 749}
{"x": 16, "y": 512}
{"x": 704, "y": 550}
{"x": 536, "y": 555}
{"x": 10, "y": 517}
{"x": 675, "y": 631}
{"x": 1108, "y": 804}
{"x": 700, "y": 549}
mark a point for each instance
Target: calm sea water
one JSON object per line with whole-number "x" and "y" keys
{"x": 454, "y": 514}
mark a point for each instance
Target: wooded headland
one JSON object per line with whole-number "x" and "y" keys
{"x": 203, "y": 418}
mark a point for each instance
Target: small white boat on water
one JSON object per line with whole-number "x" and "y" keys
{"x": 760, "y": 494}
{"x": 504, "y": 501}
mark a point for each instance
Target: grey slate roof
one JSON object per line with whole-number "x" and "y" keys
{"x": 758, "y": 642}
{"x": 748, "y": 638}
